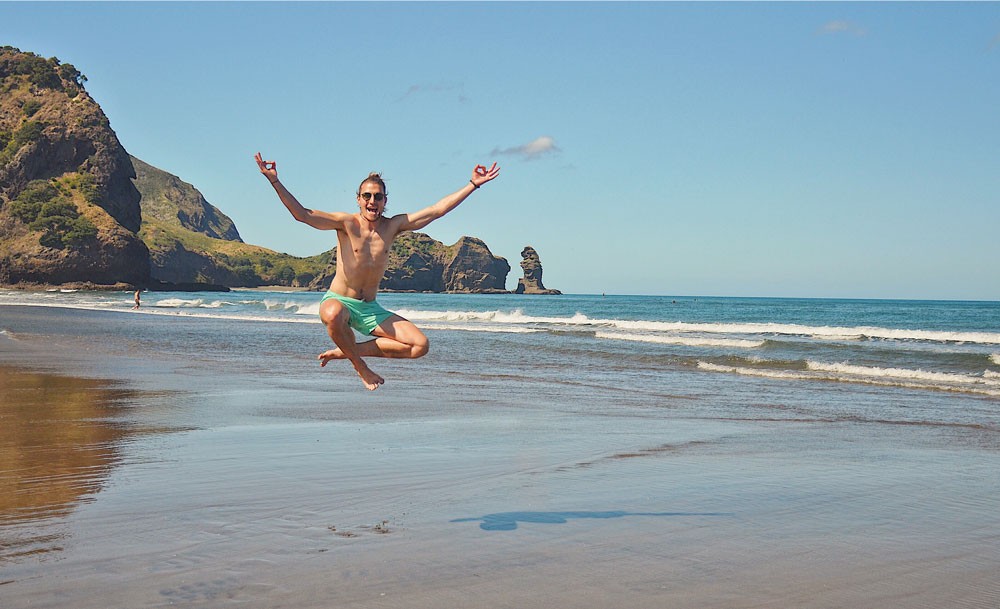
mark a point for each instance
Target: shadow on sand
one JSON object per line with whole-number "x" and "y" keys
{"x": 507, "y": 521}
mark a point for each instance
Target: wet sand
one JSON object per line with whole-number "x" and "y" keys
{"x": 154, "y": 482}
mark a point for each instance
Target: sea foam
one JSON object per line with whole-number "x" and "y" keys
{"x": 517, "y": 316}
{"x": 285, "y": 305}
{"x": 197, "y": 303}
{"x": 890, "y": 377}
{"x": 672, "y": 339}
{"x": 901, "y": 373}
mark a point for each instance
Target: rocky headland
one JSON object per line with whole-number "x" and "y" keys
{"x": 68, "y": 208}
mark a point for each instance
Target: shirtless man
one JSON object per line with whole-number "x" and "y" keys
{"x": 364, "y": 239}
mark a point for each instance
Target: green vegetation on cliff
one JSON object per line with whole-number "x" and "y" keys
{"x": 44, "y": 73}
{"x": 26, "y": 133}
{"x": 49, "y": 209}
{"x": 20, "y": 73}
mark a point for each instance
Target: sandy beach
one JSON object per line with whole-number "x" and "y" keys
{"x": 137, "y": 477}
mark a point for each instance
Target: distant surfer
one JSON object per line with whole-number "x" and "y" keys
{"x": 364, "y": 239}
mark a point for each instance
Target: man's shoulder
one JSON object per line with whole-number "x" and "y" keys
{"x": 345, "y": 218}
{"x": 395, "y": 223}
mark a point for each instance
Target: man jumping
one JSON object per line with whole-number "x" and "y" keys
{"x": 364, "y": 239}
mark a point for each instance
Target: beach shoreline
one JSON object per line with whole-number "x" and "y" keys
{"x": 213, "y": 477}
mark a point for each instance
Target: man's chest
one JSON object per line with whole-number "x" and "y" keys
{"x": 367, "y": 246}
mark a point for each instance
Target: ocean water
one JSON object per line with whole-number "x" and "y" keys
{"x": 924, "y": 346}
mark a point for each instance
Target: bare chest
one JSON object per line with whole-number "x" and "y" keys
{"x": 363, "y": 249}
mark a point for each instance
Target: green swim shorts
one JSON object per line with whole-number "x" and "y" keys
{"x": 365, "y": 316}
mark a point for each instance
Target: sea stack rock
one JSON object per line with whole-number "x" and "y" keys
{"x": 531, "y": 283}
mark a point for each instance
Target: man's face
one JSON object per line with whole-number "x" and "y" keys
{"x": 371, "y": 201}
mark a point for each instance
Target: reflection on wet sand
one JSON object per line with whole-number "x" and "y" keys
{"x": 60, "y": 437}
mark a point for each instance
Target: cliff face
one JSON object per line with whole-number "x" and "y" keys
{"x": 418, "y": 263}
{"x": 473, "y": 268}
{"x": 531, "y": 283}
{"x": 191, "y": 241}
{"x": 170, "y": 200}
{"x": 68, "y": 209}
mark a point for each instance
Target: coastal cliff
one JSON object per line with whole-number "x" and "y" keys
{"x": 191, "y": 241}
{"x": 68, "y": 209}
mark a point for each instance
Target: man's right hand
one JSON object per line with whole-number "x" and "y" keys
{"x": 268, "y": 168}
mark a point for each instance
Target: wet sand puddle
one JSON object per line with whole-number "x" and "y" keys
{"x": 60, "y": 439}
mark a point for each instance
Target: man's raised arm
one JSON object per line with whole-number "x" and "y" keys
{"x": 420, "y": 219}
{"x": 316, "y": 219}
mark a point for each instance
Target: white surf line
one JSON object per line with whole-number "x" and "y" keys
{"x": 668, "y": 339}
{"x": 901, "y": 373}
{"x": 819, "y": 376}
{"x": 186, "y": 312}
{"x": 818, "y": 332}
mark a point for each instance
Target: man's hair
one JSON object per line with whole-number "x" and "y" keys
{"x": 375, "y": 178}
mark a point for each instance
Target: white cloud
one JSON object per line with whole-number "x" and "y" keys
{"x": 420, "y": 89}
{"x": 532, "y": 150}
{"x": 843, "y": 27}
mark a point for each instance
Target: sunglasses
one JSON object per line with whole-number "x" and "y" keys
{"x": 367, "y": 196}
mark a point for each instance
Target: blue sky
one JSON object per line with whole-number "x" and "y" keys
{"x": 746, "y": 149}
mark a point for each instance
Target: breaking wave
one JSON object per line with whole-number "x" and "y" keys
{"x": 196, "y": 303}
{"x": 902, "y": 373}
{"x": 517, "y": 316}
{"x": 892, "y": 377}
{"x": 672, "y": 339}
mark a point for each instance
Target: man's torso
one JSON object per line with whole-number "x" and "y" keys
{"x": 362, "y": 257}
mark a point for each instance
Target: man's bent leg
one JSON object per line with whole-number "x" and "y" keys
{"x": 336, "y": 317}
{"x": 397, "y": 338}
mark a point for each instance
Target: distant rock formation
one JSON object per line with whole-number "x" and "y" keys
{"x": 531, "y": 283}
{"x": 473, "y": 268}
{"x": 418, "y": 263}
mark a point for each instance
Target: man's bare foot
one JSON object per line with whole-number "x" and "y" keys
{"x": 368, "y": 377}
{"x": 326, "y": 356}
